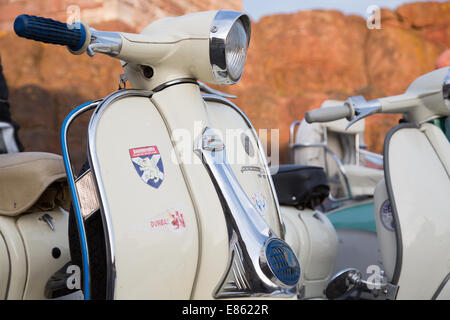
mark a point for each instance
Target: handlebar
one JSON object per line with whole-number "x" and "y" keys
{"x": 50, "y": 31}
{"x": 329, "y": 114}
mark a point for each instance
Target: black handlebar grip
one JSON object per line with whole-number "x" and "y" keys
{"x": 50, "y": 31}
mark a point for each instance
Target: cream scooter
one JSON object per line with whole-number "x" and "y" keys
{"x": 412, "y": 203}
{"x": 163, "y": 210}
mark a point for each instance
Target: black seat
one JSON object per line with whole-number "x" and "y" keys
{"x": 301, "y": 186}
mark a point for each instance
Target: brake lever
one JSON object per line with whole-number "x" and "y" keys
{"x": 362, "y": 108}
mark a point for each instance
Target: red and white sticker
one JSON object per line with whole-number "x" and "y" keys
{"x": 172, "y": 220}
{"x": 145, "y": 151}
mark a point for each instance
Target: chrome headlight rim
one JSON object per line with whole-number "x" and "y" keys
{"x": 220, "y": 28}
{"x": 446, "y": 87}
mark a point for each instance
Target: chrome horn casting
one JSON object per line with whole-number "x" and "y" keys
{"x": 260, "y": 264}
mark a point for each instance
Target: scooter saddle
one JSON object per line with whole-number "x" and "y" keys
{"x": 25, "y": 180}
{"x": 301, "y": 186}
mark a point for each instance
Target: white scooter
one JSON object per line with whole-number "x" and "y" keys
{"x": 163, "y": 210}
{"x": 412, "y": 203}
{"x": 160, "y": 210}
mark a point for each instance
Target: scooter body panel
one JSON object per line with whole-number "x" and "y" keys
{"x": 245, "y": 160}
{"x": 5, "y": 268}
{"x": 314, "y": 240}
{"x": 163, "y": 129}
{"x": 151, "y": 212}
{"x": 419, "y": 188}
{"x": 16, "y": 255}
{"x": 187, "y": 119}
{"x": 39, "y": 241}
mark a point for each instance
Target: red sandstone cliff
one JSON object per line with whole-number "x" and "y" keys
{"x": 295, "y": 62}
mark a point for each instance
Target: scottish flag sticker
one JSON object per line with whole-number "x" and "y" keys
{"x": 148, "y": 164}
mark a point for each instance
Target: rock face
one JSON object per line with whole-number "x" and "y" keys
{"x": 136, "y": 13}
{"x": 295, "y": 61}
{"x": 298, "y": 60}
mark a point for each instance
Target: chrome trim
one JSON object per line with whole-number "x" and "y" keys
{"x": 356, "y": 149}
{"x": 221, "y": 25}
{"x": 249, "y": 269}
{"x": 206, "y": 89}
{"x": 95, "y": 167}
{"x": 71, "y": 180}
{"x": 49, "y": 220}
{"x": 174, "y": 82}
{"x": 335, "y": 158}
{"x": 446, "y": 89}
{"x": 109, "y": 43}
{"x": 362, "y": 108}
{"x": 372, "y": 156}
{"x": 219, "y": 99}
{"x": 292, "y": 139}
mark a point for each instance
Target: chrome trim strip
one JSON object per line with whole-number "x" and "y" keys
{"x": 206, "y": 89}
{"x": 250, "y": 274}
{"x": 292, "y": 139}
{"x": 336, "y": 159}
{"x": 215, "y": 98}
{"x": 221, "y": 26}
{"x": 70, "y": 178}
{"x": 293, "y": 146}
{"x": 95, "y": 167}
{"x": 174, "y": 82}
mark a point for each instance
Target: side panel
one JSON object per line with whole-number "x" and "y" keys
{"x": 186, "y": 118}
{"x": 18, "y": 260}
{"x": 245, "y": 161}
{"x": 419, "y": 189}
{"x": 186, "y": 115}
{"x": 314, "y": 240}
{"x": 154, "y": 227}
{"x": 5, "y": 268}
{"x": 39, "y": 240}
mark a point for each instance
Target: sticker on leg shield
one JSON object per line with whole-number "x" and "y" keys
{"x": 171, "y": 220}
{"x": 148, "y": 164}
{"x": 386, "y": 216}
{"x": 259, "y": 201}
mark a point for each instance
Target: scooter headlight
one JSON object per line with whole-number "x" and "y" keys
{"x": 229, "y": 40}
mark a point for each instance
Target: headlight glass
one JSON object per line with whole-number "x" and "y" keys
{"x": 236, "y": 50}
{"x": 228, "y": 44}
